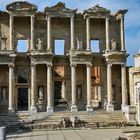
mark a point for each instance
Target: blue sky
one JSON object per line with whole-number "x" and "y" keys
{"x": 132, "y": 18}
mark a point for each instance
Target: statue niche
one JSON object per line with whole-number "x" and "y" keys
{"x": 79, "y": 44}
{"x": 4, "y": 94}
{"x": 113, "y": 45}
{"x": 41, "y": 93}
{"x": 40, "y": 44}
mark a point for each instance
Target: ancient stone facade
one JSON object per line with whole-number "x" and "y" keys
{"x": 81, "y": 78}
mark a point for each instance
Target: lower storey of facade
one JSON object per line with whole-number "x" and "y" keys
{"x": 40, "y": 87}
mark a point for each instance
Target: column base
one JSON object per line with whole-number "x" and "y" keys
{"x": 74, "y": 108}
{"x": 89, "y": 108}
{"x": 49, "y": 109}
{"x": 11, "y": 110}
{"x": 124, "y": 108}
{"x": 110, "y": 107}
{"x": 33, "y": 109}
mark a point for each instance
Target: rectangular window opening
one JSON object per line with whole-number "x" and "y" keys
{"x": 22, "y": 46}
{"x": 95, "y": 46}
{"x": 59, "y": 47}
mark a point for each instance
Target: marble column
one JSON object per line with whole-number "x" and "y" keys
{"x": 124, "y": 89}
{"x": 110, "y": 106}
{"x": 88, "y": 33}
{"x": 33, "y": 108}
{"x": 11, "y": 33}
{"x": 11, "y": 107}
{"x": 122, "y": 33}
{"x": 107, "y": 34}
{"x": 50, "y": 95}
{"x": 72, "y": 32}
{"x": 89, "y": 104}
{"x": 32, "y": 32}
{"x": 49, "y": 33}
{"x": 73, "y": 87}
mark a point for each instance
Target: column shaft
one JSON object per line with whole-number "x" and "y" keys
{"x": 33, "y": 88}
{"x": 72, "y": 32}
{"x": 88, "y": 33}
{"x": 32, "y": 32}
{"x": 124, "y": 88}
{"x": 11, "y": 33}
{"x": 73, "y": 86}
{"x": 11, "y": 89}
{"x": 49, "y": 33}
{"x": 89, "y": 104}
{"x": 107, "y": 35}
{"x": 49, "y": 89}
{"x": 122, "y": 34}
{"x": 110, "y": 106}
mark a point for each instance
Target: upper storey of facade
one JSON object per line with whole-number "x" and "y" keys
{"x": 93, "y": 30}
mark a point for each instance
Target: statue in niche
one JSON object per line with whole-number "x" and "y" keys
{"x": 113, "y": 45}
{"x": 4, "y": 94}
{"x": 79, "y": 44}
{"x": 40, "y": 44}
{"x": 41, "y": 94}
{"x": 79, "y": 92}
{"x": 3, "y": 42}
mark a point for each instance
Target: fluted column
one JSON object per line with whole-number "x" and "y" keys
{"x": 33, "y": 89}
{"x": 122, "y": 33}
{"x": 89, "y": 104}
{"x": 110, "y": 106}
{"x": 49, "y": 33}
{"x": 88, "y": 33}
{"x": 32, "y": 32}
{"x": 11, "y": 33}
{"x": 73, "y": 87}
{"x": 107, "y": 34}
{"x": 72, "y": 32}
{"x": 124, "y": 89}
{"x": 50, "y": 96}
{"x": 11, "y": 107}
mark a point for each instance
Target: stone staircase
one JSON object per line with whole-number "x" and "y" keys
{"x": 97, "y": 119}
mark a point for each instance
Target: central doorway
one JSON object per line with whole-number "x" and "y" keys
{"x": 22, "y": 99}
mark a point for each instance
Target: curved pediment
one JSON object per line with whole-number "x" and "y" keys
{"x": 21, "y": 6}
{"x": 97, "y": 11}
{"x": 59, "y": 10}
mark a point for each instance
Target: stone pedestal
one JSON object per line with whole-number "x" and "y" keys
{"x": 124, "y": 108}
{"x": 110, "y": 107}
{"x": 41, "y": 105}
{"x": 74, "y": 108}
{"x": 89, "y": 108}
{"x": 49, "y": 109}
{"x": 33, "y": 109}
{"x": 3, "y": 133}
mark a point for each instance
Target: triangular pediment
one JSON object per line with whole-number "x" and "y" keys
{"x": 97, "y": 10}
{"x": 60, "y": 9}
{"x": 21, "y": 6}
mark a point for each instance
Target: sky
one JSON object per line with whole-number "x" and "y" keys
{"x": 132, "y": 18}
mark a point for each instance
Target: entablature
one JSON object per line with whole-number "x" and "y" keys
{"x": 116, "y": 57}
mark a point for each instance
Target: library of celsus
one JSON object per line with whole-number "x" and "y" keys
{"x": 60, "y": 59}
